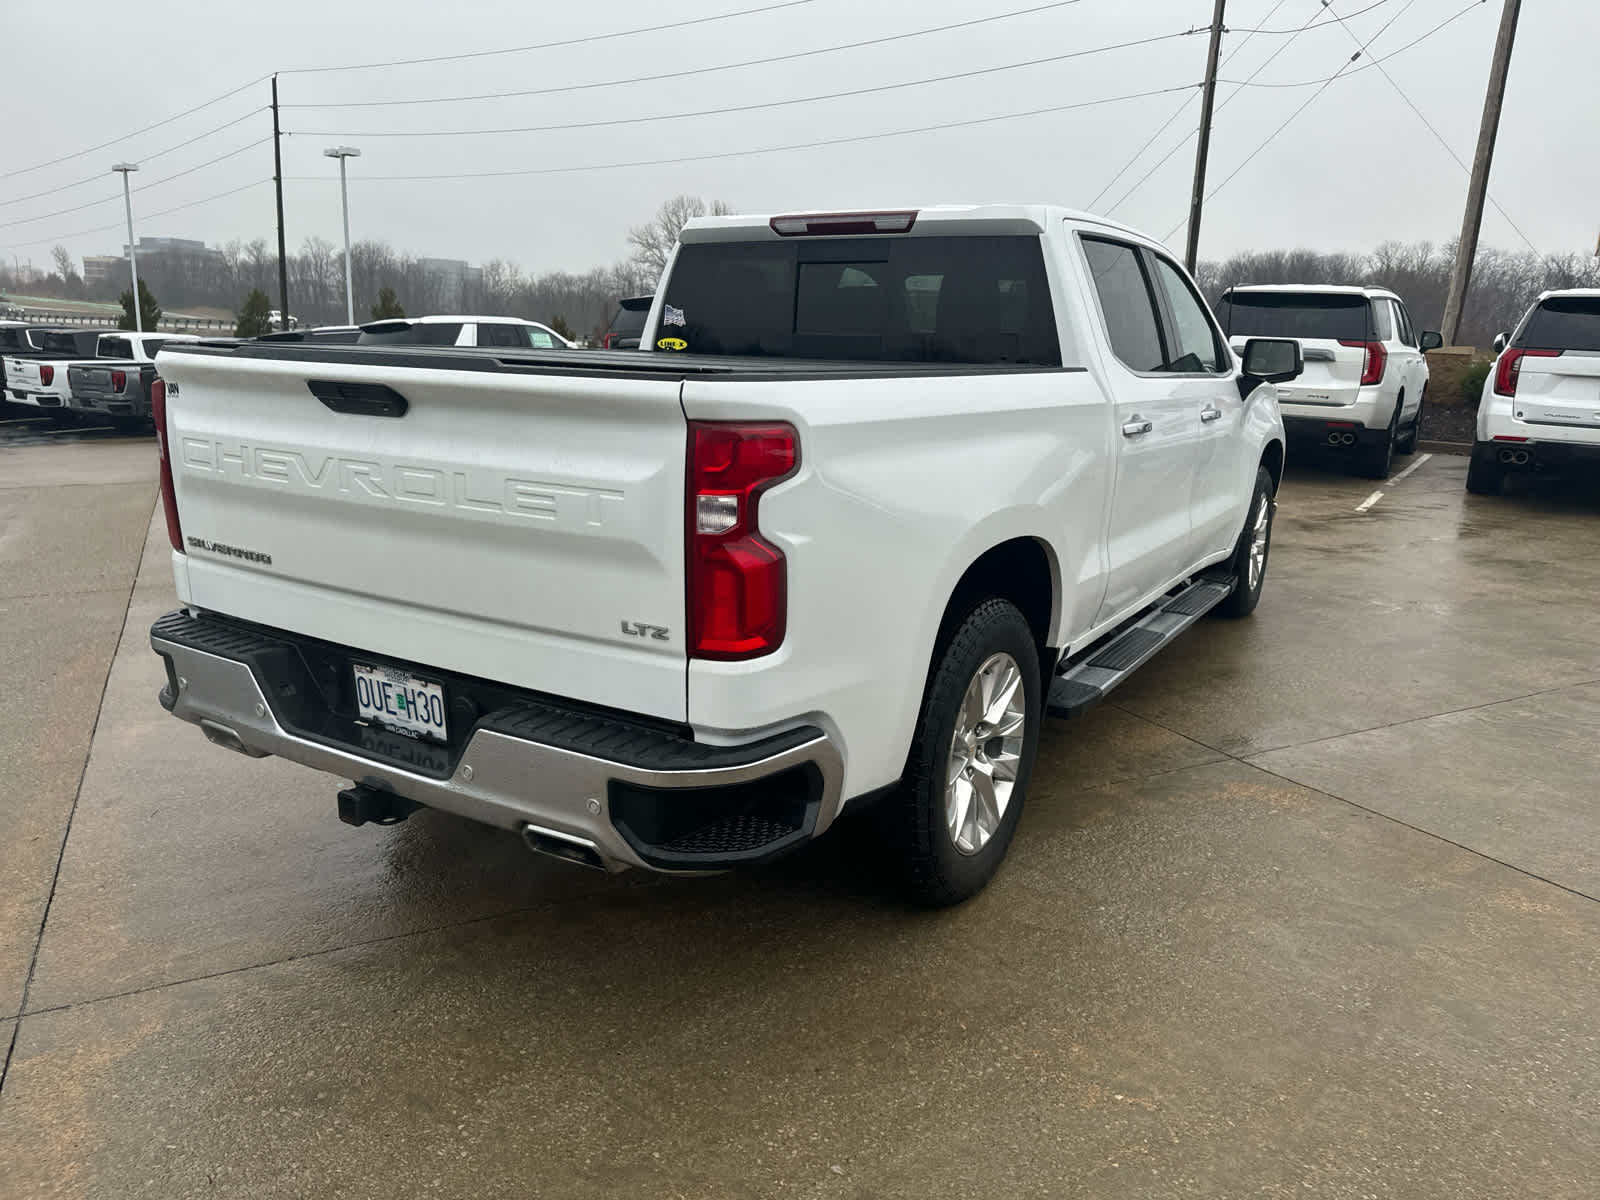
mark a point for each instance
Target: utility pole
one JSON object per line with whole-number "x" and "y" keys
{"x": 1203, "y": 150}
{"x": 1478, "y": 188}
{"x": 277, "y": 180}
{"x": 125, "y": 169}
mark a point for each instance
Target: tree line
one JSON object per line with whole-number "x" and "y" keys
{"x": 1504, "y": 283}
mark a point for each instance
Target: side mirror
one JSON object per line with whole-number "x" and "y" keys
{"x": 1270, "y": 360}
{"x": 1500, "y": 341}
{"x": 1431, "y": 340}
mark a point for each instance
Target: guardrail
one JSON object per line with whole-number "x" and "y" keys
{"x": 165, "y": 325}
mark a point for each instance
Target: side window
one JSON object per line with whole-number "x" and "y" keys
{"x": 1382, "y": 323}
{"x": 1408, "y": 335}
{"x": 1127, "y": 303}
{"x": 501, "y": 335}
{"x": 541, "y": 340}
{"x": 1197, "y": 338}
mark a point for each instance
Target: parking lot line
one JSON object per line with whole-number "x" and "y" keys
{"x": 1369, "y": 501}
{"x": 1421, "y": 458}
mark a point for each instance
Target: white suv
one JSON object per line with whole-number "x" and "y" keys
{"x": 1540, "y": 409}
{"x": 508, "y": 333}
{"x": 1365, "y": 377}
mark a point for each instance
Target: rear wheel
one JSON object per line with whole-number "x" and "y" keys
{"x": 1379, "y": 457}
{"x": 952, "y": 818}
{"x": 1484, "y": 475}
{"x": 1408, "y": 444}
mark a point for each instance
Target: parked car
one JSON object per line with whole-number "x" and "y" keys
{"x": 895, "y": 485}
{"x": 275, "y": 321}
{"x": 39, "y": 378}
{"x": 1365, "y": 377}
{"x": 1540, "y": 409}
{"x": 119, "y": 386}
{"x": 628, "y": 324}
{"x": 509, "y": 333}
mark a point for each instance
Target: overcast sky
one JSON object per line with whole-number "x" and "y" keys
{"x": 1357, "y": 167}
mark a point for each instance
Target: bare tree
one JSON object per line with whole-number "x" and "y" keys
{"x": 653, "y": 241}
{"x": 63, "y": 259}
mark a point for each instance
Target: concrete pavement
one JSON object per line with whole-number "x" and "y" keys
{"x": 1310, "y": 910}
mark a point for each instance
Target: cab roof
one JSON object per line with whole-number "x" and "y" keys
{"x": 929, "y": 221}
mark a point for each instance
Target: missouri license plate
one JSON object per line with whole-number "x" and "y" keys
{"x": 400, "y": 701}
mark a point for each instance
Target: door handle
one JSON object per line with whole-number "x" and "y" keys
{"x": 1136, "y": 428}
{"x": 1211, "y": 413}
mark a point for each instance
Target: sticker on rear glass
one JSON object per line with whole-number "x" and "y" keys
{"x": 671, "y": 344}
{"x": 673, "y": 316}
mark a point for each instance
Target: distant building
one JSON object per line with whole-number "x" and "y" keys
{"x": 455, "y": 280}
{"x": 101, "y": 269}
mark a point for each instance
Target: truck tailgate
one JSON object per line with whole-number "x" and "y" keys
{"x": 521, "y": 527}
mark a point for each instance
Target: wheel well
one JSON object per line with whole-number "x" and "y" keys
{"x": 1018, "y": 571}
{"x": 1272, "y": 460}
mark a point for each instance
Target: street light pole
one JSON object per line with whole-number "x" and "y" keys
{"x": 342, "y": 153}
{"x": 125, "y": 169}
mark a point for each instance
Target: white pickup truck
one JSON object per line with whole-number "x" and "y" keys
{"x": 40, "y": 380}
{"x": 886, "y": 488}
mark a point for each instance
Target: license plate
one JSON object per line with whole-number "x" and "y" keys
{"x": 400, "y": 701}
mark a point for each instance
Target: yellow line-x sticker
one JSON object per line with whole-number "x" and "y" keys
{"x": 671, "y": 344}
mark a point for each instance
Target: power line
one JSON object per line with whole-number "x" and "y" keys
{"x": 143, "y": 216}
{"x": 137, "y": 132}
{"x": 738, "y": 108}
{"x": 688, "y": 158}
{"x": 1176, "y": 113}
{"x": 1163, "y": 159}
{"x": 684, "y": 74}
{"x": 1301, "y": 83}
{"x": 1439, "y": 137}
{"x": 142, "y": 188}
{"x": 1327, "y": 83}
{"x": 143, "y": 158}
{"x": 1306, "y": 28}
{"x": 578, "y": 41}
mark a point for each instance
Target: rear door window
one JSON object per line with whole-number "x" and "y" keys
{"x": 512, "y": 337}
{"x": 1127, "y": 303}
{"x": 1402, "y": 320}
{"x": 1329, "y": 315}
{"x": 975, "y": 300}
{"x": 1563, "y": 323}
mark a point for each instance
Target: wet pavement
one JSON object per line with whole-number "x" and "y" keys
{"x": 1311, "y": 909}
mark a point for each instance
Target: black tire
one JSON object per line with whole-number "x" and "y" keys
{"x": 913, "y": 819}
{"x": 1377, "y": 459}
{"x": 1408, "y": 444}
{"x": 1485, "y": 477}
{"x": 130, "y": 424}
{"x": 1247, "y": 594}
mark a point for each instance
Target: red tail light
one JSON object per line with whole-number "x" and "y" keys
{"x": 47, "y": 374}
{"x": 1377, "y": 360}
{"x": 169, "y": 497}
{"x": 119, "y": 380}
{"x": 609, "y": 341}
{"x": 1509, "y": 368}
{"x": 737, "y": 580}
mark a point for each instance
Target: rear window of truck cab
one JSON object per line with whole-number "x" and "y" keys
{"x": 963, "y": 300}
{"x": 1563, "y": 323}
{"x": 1334, "y": 316}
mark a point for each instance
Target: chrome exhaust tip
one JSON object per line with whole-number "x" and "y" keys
{"x": 228, "y": 738}
{"x": 566, "y": 846}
